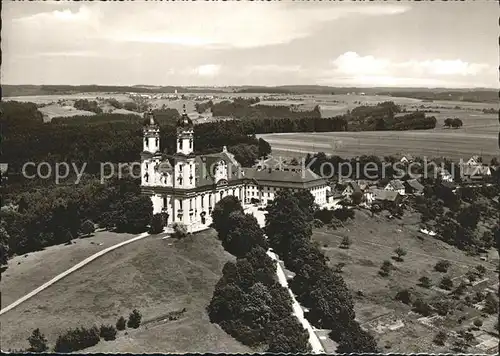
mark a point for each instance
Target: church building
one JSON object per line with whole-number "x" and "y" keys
{"x": 186, "y": 186}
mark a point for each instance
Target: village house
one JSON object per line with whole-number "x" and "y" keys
{"x": 474, "y": 161}
{"x": 407, "y": 159}
{"x": 471, "y": 173}
{"x": 443, "y": 174}
{"x": 413, "y": 186}
{"x": 396, "y": 185}
{"x": 383, "y": 198}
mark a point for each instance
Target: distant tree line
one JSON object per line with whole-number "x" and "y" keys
{"x": 455, "y": 123}
{"x": 86, "y": 105}
{"x": 202, "y": 107}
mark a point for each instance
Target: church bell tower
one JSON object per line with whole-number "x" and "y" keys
{"x": 184, "y": 156}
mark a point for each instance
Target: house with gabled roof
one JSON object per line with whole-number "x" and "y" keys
{"x": 396, "y": 185}
{"x": 414, "y": 187}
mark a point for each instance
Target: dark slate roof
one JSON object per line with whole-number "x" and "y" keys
{"x": 204, "y": 164}
{"x": 302, "y": 179}
{"x": 415, "y": 184}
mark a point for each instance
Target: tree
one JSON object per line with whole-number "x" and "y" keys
{"x": 356, "y": 340}
{"x": 130, "y": 213}
{"x": 442, "y": 266}
{"x": 448, "y": 122}
{"x": 481, "y": 270}
{"x": 346, "y": 243}
{"x": 491, "y": 304}
{"x": 245, "y": 154}
{"x": 460, "y": 345}
{"x": 134, "y": 319}
{"x": 425, "y": 282}
{"x": 471, "y": 276}
{"x": 157, "y": 224}
{"x": 77, "y": 339}
{"x": 121, "y": 323}
{"x": 221, "y": 212}
{"x": 400, "y": 252}
{"x": 386, "y": 268}
{"x": 286, "y": 222}
{"x": 440, "y": 338}
{"x": 404, "y": 296}
{"x": 288, "y": 336}
{"x": 4, "y": 244}
{"x": 446, "y": 283}
{"x": 442, "y": 307}
{"x": 264, "y": 148}
{"x": 107, "y": 332}
{"x": 244, "y": 233}
{"x": 180, "y": 231}
{"x": 38, "y": 342}
{"x": 421, "y": 307}
{"x": 478, "y": 323}
{"x": 356, "y": 197}
{"x": 460, "y": 290}
{"x": 456, "y": 123}
{"x": 87, "y": 228}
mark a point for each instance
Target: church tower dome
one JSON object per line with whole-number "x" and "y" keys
{"x": 184, "y": 122}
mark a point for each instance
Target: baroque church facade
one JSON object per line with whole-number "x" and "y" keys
{"x": 186, "y": 187}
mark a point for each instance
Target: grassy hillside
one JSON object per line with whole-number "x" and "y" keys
{"x": 154, "y": 276}
{"x": 373, "y": 241}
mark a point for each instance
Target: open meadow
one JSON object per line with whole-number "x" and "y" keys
{"x": 154, "y": 275}
{"x": 395, "y": 326}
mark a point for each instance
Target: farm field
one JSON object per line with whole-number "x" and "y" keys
{"x": 155, "y": 276}
{"x": 451, "y": 143}
{"x": 55, "y": 110}
{"x": 373, "y": 241}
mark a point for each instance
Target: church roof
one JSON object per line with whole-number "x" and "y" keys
{"x": 303, "y": 178}
{"x": 184, "y": 121}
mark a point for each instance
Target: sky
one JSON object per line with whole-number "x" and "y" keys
{"x": 390, "y": 44}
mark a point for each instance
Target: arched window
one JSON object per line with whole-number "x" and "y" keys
{"x": 146, "y": 141}
{"x": 221, "y": 194}
{"x": 180, "y": 143}
{"x": 146, "y": 176}
{"x": 190, "y": 143}
{"x": 157, "y": 141}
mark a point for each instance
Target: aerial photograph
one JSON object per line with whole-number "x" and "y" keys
{"x": 250, "y": 177}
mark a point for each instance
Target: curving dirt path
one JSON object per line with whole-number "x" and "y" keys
{"x": 71, "y": 270}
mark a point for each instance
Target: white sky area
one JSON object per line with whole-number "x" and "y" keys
{"x": 452, "y": 44}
